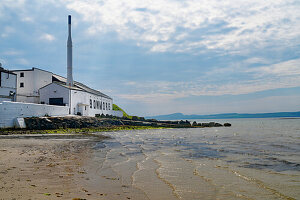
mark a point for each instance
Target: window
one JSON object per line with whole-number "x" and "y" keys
{"x": 91, "y": 106}
{"x": 108, "y": 106}
{"x": 21, "y": 84}
{"x": 100, "y": 105}
{"x": 103, "y": 106}
{"x": 56, "y": 101}
{"x": 94, "y": 104}
{"x": 22, "y": 74}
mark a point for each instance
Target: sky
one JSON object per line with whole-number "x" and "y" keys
{"x": 165, "y": 56}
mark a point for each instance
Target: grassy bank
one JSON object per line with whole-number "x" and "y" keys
{"x": 117, "y": 108}
{"x": 75, "y": 130}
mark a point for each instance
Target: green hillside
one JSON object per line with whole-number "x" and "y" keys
{"x": 117, "y": 108}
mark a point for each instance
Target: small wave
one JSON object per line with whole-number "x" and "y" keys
{"x": 276, "y": 164}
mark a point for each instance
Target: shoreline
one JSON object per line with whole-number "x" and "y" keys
{"x": 82, "y": 131}
{"x": 87, "y": 125}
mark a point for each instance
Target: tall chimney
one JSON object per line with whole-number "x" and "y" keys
{"x": 69, "y": 56}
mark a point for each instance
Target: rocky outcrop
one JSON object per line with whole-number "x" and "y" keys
{"x": 44, "y": 123}
{"x": 210, "y": 124}
{"x": 48, "y": 123}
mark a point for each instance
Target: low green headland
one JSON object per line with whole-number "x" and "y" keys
{"x": 117, "y": 108}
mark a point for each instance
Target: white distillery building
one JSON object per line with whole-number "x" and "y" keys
{"x": 37, "y": 92}
{"x": 8, "y": 81}
{"x": 43, "y": 87}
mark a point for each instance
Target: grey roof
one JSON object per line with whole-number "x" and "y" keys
{"x": 78, "y": 86}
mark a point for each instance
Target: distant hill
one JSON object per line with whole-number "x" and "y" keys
{"x": 177, "y": 116}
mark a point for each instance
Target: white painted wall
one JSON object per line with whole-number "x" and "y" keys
{"x": 54, "y": 90}
{"x": 11, "y": 110}
{"x": 81, "y": 97}
{"x": 80, "y": 100}
{"x": 8, "y": 84}
{"x": 33, "y": 80}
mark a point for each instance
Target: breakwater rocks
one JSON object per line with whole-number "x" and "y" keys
{"x": 47, "y": 123}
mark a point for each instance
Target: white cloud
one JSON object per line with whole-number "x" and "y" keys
{"x": 257, "y": 60}
{"x": 12, "y": 52}
{"x": 7, "y": 31}
{"x": 27, "y": 19}
{"x": 287, "y": 68}
{"x": 229, "y": 24}
{"x": 22, "y": 61}
{"x": 47, "y": 37}
{"x": 280, "y": 75}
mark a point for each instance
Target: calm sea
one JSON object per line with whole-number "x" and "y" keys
{"x": 253, "y": 159}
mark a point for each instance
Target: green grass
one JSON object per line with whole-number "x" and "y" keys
{"x": 117, "y": 108}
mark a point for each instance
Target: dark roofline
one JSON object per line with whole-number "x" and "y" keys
{"x": 6, "y": 71}
{"x": 59, "y": 84}
{"x": 20, "y": 70}
{"x": 94, "y": 92}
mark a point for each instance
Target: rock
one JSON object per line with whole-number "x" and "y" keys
{"x": 227, "y": 124}
{"x": 218, "y": 125}
{"x": 194, "y": 123}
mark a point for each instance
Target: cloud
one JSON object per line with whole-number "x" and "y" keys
{"x": 287, "y": 68}
{"x": 47, "y": 37}
{"x": 256, "y": 60}
{"x": 22, "y": 61}
{"x": 12, "y": 52}
{"x": 280, "y": 75}
{"x": 170, "y": 25}
{"x": 7, "y": 31}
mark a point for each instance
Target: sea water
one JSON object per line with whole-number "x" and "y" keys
{"x": 252, "y": 159}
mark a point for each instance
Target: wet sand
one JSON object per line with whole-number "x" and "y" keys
{"x": 54, "y": 168}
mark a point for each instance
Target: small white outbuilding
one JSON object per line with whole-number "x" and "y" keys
{"x": 81, "y": 99}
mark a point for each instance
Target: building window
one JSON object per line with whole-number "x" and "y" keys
{"x": 94, "y": 104}
{"x": 22, "y": 74}
{"x": 103, "y": 106}
{"x": 100, "y": 105}
{"x": 108, "y": 106}
{"x": 21, "y": 84}
{"x": 91, "y": 106}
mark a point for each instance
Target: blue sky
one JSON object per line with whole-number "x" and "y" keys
{"x": 165, "y": 56}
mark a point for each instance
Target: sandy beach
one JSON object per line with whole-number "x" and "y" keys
{"x": 56, "y": 167}
{"x": 206, "y": 164}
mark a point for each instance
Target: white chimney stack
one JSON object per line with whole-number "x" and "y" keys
{"x": 69, "y": 56}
